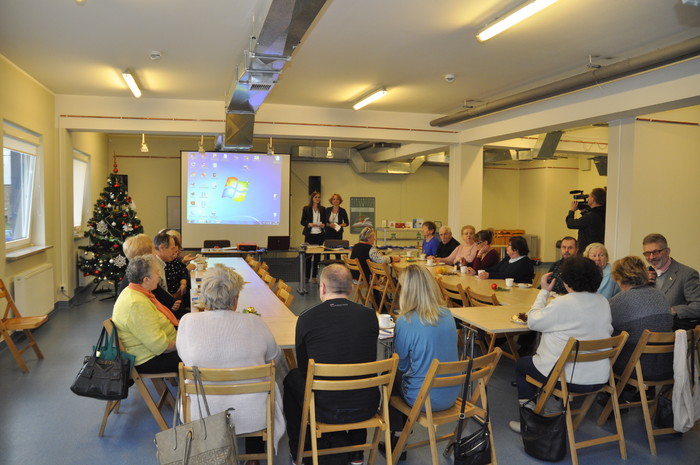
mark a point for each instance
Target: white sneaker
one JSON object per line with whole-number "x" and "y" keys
{"x": 514, "y": 426}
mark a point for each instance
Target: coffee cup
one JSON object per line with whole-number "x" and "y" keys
{"x": 422, "y": 256}
{"x": 430, "y": 262}
{"x": 509, "y": 282}
{"x": 409, "y": 253}
{"x": 463, "y": 269}
{"x": 480, "y": 272}
{"x": 385, "y": 321}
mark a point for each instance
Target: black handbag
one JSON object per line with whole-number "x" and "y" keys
{"x": 105, "y": 373}
{"x": 209, "y": 440}
{"x": 544, "y": 437}
{"x": 474, "y": 449}
{"x": 663, "y": 417}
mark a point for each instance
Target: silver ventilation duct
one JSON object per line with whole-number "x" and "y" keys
{"x": 356, "y": 160}
{"x": 286, "y": 22}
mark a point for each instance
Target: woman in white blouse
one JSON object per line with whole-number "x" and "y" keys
{"x": 313, "y": 219}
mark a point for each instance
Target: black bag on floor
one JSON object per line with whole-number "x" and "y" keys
{"x": 105, "y": 373}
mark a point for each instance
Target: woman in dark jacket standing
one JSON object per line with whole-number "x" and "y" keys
{"x": 337, "y": 218}
{"x": 313, "y": 219}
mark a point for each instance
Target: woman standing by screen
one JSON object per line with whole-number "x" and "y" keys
{"x": 313, "y": 219}
{"x": 337, "y": 218}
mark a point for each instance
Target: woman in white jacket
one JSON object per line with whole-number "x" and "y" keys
{"x": 582, "y": 314}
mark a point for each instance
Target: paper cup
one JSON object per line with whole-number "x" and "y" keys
{"x": 463, "y": 269}
{"x": 385, "y": 321}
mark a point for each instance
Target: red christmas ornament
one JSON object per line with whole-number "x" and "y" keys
{"x": 86, "y": 274}
{"x": 102, "y": 205}
{"x": 116, "y": 185}
{"x": 97, "y": 271}
{"x": 124, "y": 215}
{"x": 116, "y": 246}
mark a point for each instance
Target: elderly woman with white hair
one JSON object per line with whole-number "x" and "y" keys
{"x": 599, "y": 254}
{"x": 221, "y": 337}
{"x": 366, "y": 250}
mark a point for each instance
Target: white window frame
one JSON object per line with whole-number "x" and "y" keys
{"x": 23, "y": 140}
{"x": 81, "y": 188}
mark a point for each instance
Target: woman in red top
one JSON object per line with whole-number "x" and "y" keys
{"x": 486, "y": 257}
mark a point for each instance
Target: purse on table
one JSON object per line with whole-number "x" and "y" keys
{"x": 208, "y": 440}
{"x": 474, "y": 449}
{"x": 106, "y": 371}
{"x": 544, "y": 437}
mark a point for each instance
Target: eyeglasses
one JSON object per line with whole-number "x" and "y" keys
{"x": 479, "y": 242}
{"x": 653, "y": 253}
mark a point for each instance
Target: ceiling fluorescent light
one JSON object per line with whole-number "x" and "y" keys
{"x": 130, "y": 80}
{"x": 512, "y": 18}
{"x": 376, "y": 95}
{"x": 329, "y": 152}
{"x": 144, "y": 147}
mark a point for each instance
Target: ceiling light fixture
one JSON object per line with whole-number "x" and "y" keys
{"x": 130, "y": 79}
{"x": 270, "y": 149}
{"x": 329, "y": 152}
{"x": 201, "y": 145}
{"x": 376, "y": 95}
{"x": 144, "y": 147}
{"x": 512, "y": 18}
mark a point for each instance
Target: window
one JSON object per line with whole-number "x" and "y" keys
{"x": 81, "y": 165}
{"x": 20, "y": 167}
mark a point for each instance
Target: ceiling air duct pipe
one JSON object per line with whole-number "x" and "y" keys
{"x": 656, "y": 59}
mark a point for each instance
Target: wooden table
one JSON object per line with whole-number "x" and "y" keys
{"x": 492, "y": 319}
{"x": 313, "y": 250}
{"x": 514, "y": 296}
{"x": 231, "y": 252}
{"x": 281, "y": 321}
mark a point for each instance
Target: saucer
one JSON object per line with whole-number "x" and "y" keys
{"x": 517, "y": 320}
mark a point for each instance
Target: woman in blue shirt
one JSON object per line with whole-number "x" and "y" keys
{"x": 430, "y": 242}
{"x": 424, "y": 331}
{"x": 599, "y": 254}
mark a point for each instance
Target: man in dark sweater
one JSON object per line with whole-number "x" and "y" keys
{"x": 591, "y": 224}
{"x": 569, "y": 248}
{"x": 447, "y": 243}
{"x": 337, "y": 330}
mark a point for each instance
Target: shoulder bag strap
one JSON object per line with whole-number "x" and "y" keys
{"x": 466, "y": 389}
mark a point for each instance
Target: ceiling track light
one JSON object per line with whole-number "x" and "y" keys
{"x": 512, "y": 18}
{"x": 376, "y": 95}
{"x": 201, "y": 145}
{"x": 130, "y": 79}
{"x": 270, "y": 149}
{"x": 329, "y": 152}
{"x": 144, "y": 147}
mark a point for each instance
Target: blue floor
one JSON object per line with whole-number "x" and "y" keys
{"x": 43, "y": 422}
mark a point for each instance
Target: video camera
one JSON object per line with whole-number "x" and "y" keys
{"x": 582, "y": 200}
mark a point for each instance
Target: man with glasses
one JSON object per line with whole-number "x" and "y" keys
{"x": 680, "y": 284}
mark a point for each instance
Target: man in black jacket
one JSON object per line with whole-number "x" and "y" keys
{"x": 447, "y": 243}
{"x": 591, "y": 224}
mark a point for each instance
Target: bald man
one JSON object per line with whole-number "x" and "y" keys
{"x": 447, "y": 243}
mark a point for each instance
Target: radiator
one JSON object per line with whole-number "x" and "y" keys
{"x": 34, "y": 293}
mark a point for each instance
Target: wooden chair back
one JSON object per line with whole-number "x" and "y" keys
{"x": 588, "y": 351}
{"x": 269, "y": 280}
{"x": 12, "y": 320}
{"x": 255, "y": 265}
{"x": 158, "y": 380}
{"x": 361, "y": 284}
{"x": 285, "y": 296}
{"x": 334, "y": 377}
{"x": 233, "y": 381}
{"x": 383, "y": 282}
{"x": 453, "y": 293}
{"x": 481, "y": 300}
{"x": 443, "y": 374}
{"x": 536, "y": 279}
{"x": 282, "y": 285}
{"x": 650, "y": 343}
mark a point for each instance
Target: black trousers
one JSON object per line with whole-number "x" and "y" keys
{"x": 163, "y": 363}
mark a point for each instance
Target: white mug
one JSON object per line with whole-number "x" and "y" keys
{"x": 409, "y": 253}
{"x": 430, "y": 262}
{"x": 463, "y": 269}
{"x": 509, "y": 282}
{"x": 480, "y": 272}
{"x": 385, "y": 321}
{"x": 422, "y": 256}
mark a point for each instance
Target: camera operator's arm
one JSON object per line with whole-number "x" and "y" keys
{"x": 578, "y": 223}
{"x": 574, "y": 206}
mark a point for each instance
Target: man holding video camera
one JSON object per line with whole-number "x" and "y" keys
{"x": 591, "y": 224}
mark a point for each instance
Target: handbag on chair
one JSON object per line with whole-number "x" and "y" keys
{"x": 210, "y": 439}
{"x": 105, "y": 373}
{"x": 474, "y": 449}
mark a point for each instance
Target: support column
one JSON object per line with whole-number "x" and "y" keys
{"x": 465, "y": 191}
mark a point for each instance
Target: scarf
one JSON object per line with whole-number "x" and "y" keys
{"x": 159, "y": 306}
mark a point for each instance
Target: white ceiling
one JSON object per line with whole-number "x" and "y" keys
{"x": 353, "y": 47}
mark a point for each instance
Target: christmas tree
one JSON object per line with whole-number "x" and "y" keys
{"x": 114, "y": 219}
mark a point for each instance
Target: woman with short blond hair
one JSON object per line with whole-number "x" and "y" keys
{"x": 599, "y": 254}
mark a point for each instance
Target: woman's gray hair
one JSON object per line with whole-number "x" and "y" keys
{"x": 139, "y": 267}
{"x": 365, "y": 233}
{"x": 220, "y": 288}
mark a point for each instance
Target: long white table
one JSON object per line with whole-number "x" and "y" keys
{"x": 281, "y": 321}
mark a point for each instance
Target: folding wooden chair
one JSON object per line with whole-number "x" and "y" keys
{"x": 232, "y": 381}
{"x": 588, "y": 351}
{"x": 285, "y": 296}
{"x": 282, "y": 285}
{"x": 158, "y": 380}
{"x": 361, "y": 284}
{"x": 383, "y": 282}
{"x": 483, "y": 300}
{"x": 255, "y": 265}
{"x": 17, "y": 322}
{"x": 442, "y": 374}
{"x": 334, "y": 377}
{"x": 454, "y": 294}
{"x": 269, "y": 280}
{"x": 649, "y": 343}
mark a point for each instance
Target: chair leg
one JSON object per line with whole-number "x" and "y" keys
{"x": 570, "y": 434}
{"x": 15, "y": 352}
{"x": 112, "y": 406}
{"x": 375, "y": 442}
{"x": 433, "y": 439}
{"x": 146, "y": 395}
{"x": 33, "y": 344}
{"x": 618, "y": 426}
{"x": 647, "y": 422}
